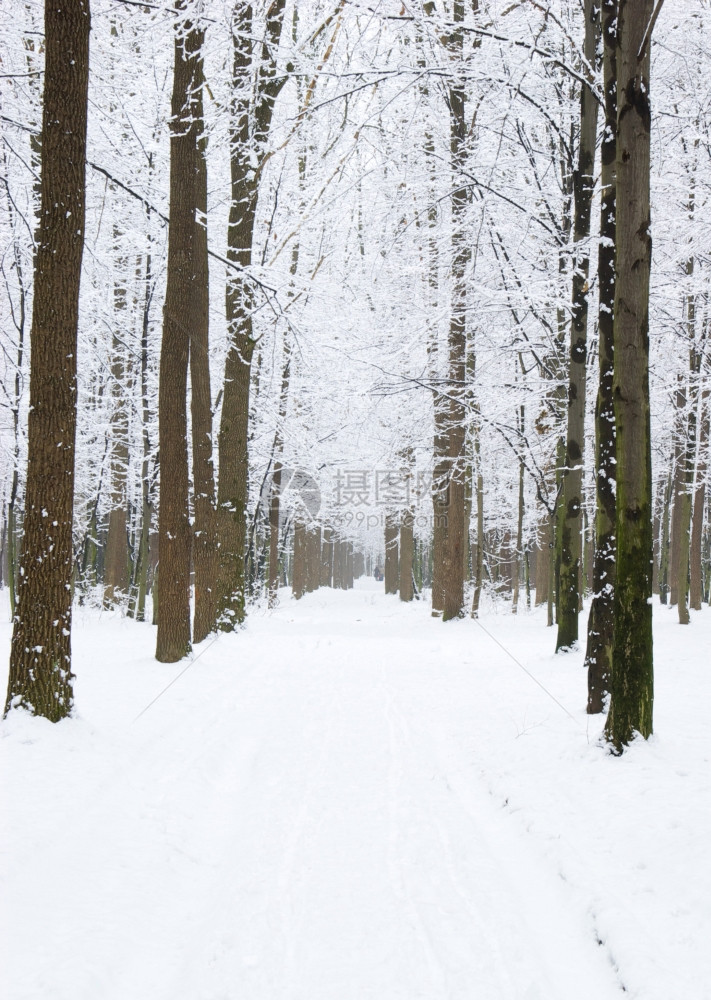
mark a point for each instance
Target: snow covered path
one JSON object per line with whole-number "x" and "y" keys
{"x": 314, "y": 812}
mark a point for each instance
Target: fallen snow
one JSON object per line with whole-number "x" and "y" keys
{"x": 351, "y": 800}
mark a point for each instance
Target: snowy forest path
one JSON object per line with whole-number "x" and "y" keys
{"x": 299, "y": 818}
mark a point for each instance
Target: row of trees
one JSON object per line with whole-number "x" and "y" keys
{"x": 403, "y": 297}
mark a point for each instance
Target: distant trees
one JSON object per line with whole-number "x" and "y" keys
{"x": 40, "y": 662}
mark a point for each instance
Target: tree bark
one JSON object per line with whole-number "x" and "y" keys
{"x": 174, "y": 534}
{"x": 695, "y": 575}
{"x": 598, "y": 652}
{"x": 407, "y": 552}
{"x": 40, "y": 678}
{"x": 632, "y": 680}
{"x": 392, "y": 570}
{"x": 251, "y": 121}
{"x": 299, "y": 569}
{"x": 570, "y": 506}
{"x": 455, "y": 432}
{"x": 205, "y": 541}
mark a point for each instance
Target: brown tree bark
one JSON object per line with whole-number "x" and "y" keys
{"x": 205, "y": 541}
{"x": 40, "y": 678}
{"x": 452, "y": 568}
{"x": 600, "y": 629}
{"x": 251, "y": 121}
{"x": 299, "y": 566}
{"x": 570, "y": 506}
{"x": 174, "y": 534}
{"x": 632, "y": 679}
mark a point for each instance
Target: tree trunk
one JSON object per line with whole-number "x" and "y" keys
{"x": 313, "y": 559}
{"x": 455, "y": 433}
{"x": 598, "y": 653}
{"x": 327, "y": 558}
{"x": 695, "y": 581}
{"x": 40, "y": 678}
{"x": 299, "y": 570}
{"x": 251, "y": 122}
{"x": 407, "y": 551}
{"x": 479, "y": 553}
{"x": 205, "y": 541}
{"x": 174, "y": 534}
{"x": 275, "y": 498}
{"x": 632, "y": 680}
{"x": 570, "y": 506}
{"x": 678, "y": 489}
{"x": 392, "y": 571}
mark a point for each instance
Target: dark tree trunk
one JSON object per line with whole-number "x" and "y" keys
{"x": 205, "y": 547}
{"x": 455, "y": 433}
{"x": 598, "y": 653}
{"x": 41, "y": 677}
{"x": 570, "y": 506}
{"x": 632, "y": 679}
{"x": 174, "y": 534}
{"x": 251, "y": 121}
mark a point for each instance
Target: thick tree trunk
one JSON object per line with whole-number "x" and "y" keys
{"x": 455, "y": 433}
{"x": 251, "y": 121}
{"x": 174, "y": 534}
{"x": 570, "y": 506}
{"x": 205, "y": 541}
{"x": 598, "y": 653}
{"x": 632, "y": 683}
{"x": 40, "y": 678}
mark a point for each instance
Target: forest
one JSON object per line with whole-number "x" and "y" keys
{"x": 355, "y": 420}
{"x": 347, "y": 299}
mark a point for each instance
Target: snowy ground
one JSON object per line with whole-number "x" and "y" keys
{"x": 350, "y": 800}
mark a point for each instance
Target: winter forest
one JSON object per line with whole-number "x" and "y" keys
{"x": 356, "y": 404}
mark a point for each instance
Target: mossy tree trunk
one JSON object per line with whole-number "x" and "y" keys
{"x": 632, "y": 679}
{"x": 598, "y": 652}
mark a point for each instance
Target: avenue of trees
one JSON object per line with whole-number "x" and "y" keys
{"x": 421, "y": 287}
